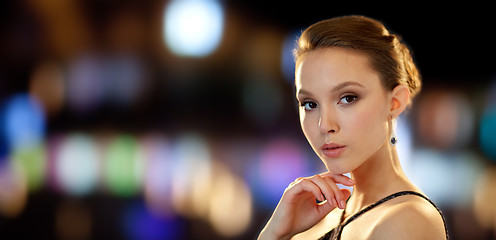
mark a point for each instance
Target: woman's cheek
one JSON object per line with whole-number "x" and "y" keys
{"x": 369, "y": 122}
{"x": 310, "y": 127}
{"x": 361, "y": 121}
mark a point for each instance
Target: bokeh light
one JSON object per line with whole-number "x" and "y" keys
{"x": 4, "y": 148}
{"x": 191, "y": 176}
{"x": 123, "y": 166}
{"x": 158, "y": 175}
{"x": 47, "y": 84}
{"x": 77, "y": 165}
{"x": 31, "y": 164}
{"x": 404, "y": 146}
{"x": 85, "y": 83}
{"x": 484, "y": 194}
{"x": 176, "y": 119}
{"x": 193, "y": 27}
{"x": 487, "y": 133}
{"x": 231, "y": 204}
{"x": 13, "y": 191}
{"x": 280, "y": 162}
{"x": 124, "y": 77}
{"x": 446, "y": 121}
{"x": 24, "y": 123}
{"x": 287, "y": 58}
{"x": 139, "y": 224}
{"x": 454, "y": 175}
{"x": 487, "y": 129}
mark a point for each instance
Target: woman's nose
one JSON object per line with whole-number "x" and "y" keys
{"x": 327, "y": 121}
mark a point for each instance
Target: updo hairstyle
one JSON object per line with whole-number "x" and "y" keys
{"x": 388, "y": 55}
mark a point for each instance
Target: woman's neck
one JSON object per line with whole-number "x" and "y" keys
{"x": 376, "y": 178}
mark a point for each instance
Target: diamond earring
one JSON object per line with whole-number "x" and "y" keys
{"x": 393, "y": 139}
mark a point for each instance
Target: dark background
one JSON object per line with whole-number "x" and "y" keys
{"x": 239, "y": 101}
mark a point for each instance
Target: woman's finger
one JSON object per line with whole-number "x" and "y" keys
{"x": 295, "y": 182}
{"x": 323, "y": 187}
{"x": 305, "y": 185}
{"x": 346, "y": 193}
{"x": 339, "y": 178}
{"x": 326, "y": 188}
{"x": 325, "y": 208}
{"x": 337, "y": 192}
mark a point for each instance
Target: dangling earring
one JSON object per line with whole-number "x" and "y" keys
{"x": 393, "y": 139}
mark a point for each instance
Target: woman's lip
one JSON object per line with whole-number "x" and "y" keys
{"x": 333, "y": 150}
{"x": 331, "y": 145}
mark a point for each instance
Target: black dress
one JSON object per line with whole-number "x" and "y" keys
{"x": 335, "y": 234}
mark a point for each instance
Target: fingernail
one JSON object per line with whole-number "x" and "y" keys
{"x": 343, "y": 204}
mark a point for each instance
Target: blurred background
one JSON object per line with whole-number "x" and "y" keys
{"x": 176, "y": 119}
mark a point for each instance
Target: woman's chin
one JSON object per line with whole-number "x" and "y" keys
{"x": 335, "y": 169}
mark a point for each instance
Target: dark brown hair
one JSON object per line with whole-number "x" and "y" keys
{"x": 388, "y": 55}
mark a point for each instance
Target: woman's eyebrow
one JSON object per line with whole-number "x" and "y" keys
{"x": 346, "y": 84}
{"x": 303, "y": 92}
{"x": 334, "y": 89}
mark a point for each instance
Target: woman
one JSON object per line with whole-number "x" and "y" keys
{"x": 353, "y": 79}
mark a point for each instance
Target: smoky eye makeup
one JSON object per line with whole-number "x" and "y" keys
{"x": 308, "y": 105}
{"x": 348, "y": 99}
{"x": 349, "y": 94}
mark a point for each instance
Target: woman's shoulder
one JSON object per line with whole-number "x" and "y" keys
{"x": 409, "y": 217}
{"x": 320, "y": 229}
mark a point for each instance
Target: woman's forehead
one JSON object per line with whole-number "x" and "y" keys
{"x": 334, "y": 66}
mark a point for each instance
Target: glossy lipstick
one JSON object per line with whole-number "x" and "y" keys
{"x": 332, "y": 150}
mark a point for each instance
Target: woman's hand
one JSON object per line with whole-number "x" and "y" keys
{"x": 298, "y": 209}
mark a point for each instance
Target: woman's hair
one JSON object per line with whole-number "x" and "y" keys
{"x": 388, "y": 55}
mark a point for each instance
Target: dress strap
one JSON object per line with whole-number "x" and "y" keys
{"x": 392, "y": 196}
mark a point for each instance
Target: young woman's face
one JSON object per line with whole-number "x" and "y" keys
{"x": 344, "y": 107}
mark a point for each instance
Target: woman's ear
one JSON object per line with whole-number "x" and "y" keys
{"x": 400, "y": 97}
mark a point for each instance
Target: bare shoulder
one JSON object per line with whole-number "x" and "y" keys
{"x": 321, "y": 228}
{"x": 409, "y": 217}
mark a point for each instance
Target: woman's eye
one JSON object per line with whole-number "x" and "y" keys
{"x": 309, "y": 105}
{"x": 348, "y": 99}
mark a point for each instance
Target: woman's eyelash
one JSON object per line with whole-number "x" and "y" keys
{"x": 303, "y": 102}
{"x": 348, "y": 99}
{"x": 345, "y": 99}
{"x": 308, "y": 105}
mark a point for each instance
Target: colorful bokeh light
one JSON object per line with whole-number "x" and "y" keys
{"x": 13, "y": 191}
{"x": 30, "y": 162}
{"x": 487, "y": 129}
{"x": 158, "y": 178}
{"x": 192, "y": 175}
{"x": 24, "y": 122}
{"x": 123, "y": 166}
{"x": 77, "y": 165}
{"x": 139, "y": 223}
{"x": 280, "y": 162}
